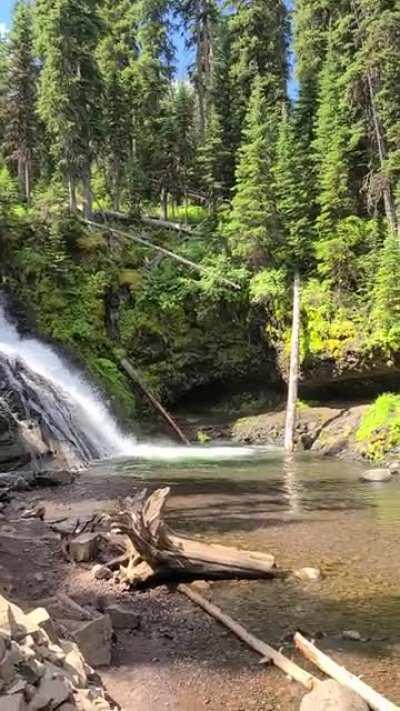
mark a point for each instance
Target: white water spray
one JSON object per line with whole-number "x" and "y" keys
{"x": 94, "y": 418}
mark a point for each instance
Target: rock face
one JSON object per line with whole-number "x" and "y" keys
{"x": 331, "y": 696}
{"x": 38, "y": 673}
{"x": 377, "y": 475}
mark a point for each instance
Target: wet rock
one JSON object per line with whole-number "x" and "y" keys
{"x": 308, "y": 574}
{"x": 18, "y": 686}
{"x": 329, "y": 695}
{"x": 101, "y": 572}
{"x": 7, "y": 668}
{"x": 84, "y": 548}
{"x": 94, "y": 640}
{"x": 200, "y": 585}
{"x": 122, "y": 618}
{"x": 376, "y": 475}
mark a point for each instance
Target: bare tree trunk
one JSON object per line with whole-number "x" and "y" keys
{"x": 294, "y": 368}
{"x": 164, "y": 204}
{"x": 72, "y": 194}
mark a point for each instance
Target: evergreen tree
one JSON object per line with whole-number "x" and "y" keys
{"x": 21, "y": 130}
{"x": 331, "y": 146}
{"x": 211, "y": 161}
{"x": 4, "y": 54}
{"x": 117, "y": 56}
{"x": 184, "y": 143}
{"x": 293, "y": 194}
{"x": 200, "y": 18}
{"x": 70, "y": 87}
{"x": 253, "y": 224}
{"x": 260, "y": 36}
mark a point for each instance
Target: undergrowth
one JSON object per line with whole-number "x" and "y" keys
{"x": 379, "y": 429}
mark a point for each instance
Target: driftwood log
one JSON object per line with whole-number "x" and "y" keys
{"x": 155, "y": 552}
{"x": 375, "y": 700}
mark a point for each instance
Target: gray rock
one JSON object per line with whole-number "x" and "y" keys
{"x": 122, "y": 618}
{"x": 329, "y": 695}
{"x": 394, "y": 467}
{"x": 74, "y": 663}
{"x": 51, "y": 693}
{"x": 376, "y": 475}
{"x": 308, "y": 574}
{"x": 101, "y": 572}
{"x": 353, "y": 635}
{"x": 94, "y": 640}
{"x": 13, "y": 703}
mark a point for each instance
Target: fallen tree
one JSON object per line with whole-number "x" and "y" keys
{"x": 155, "y": 552}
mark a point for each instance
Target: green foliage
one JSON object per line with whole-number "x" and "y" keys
{"x": 379, "y": 429}
{"x": 253, "y": 224}
{"x": 385, "y": 314}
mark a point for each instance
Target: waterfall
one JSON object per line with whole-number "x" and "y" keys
{"x": 64, "y": 393}
{"x": 60, "y": 414}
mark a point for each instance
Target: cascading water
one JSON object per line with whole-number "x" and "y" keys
{"x": 69, "y": 411}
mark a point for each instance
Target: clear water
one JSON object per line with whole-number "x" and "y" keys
{"x": 260, "y": 482}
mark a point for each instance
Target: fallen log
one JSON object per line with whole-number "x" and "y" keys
{"x": 267, "y": 652}
{"x": 331, "y": 668}
{"x": 134, "y": 376}
{"x": 156, "y": 552}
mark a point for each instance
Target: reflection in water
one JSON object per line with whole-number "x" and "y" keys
{"x": 265, "y": 484}
{"x": 291, "y": 483}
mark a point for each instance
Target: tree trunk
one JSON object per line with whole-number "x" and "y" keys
{"x": 164, "y": 204}
{"x": 72, "y": 194}
{"x": 87, "y": 194}
{"x": 294, "y": 368}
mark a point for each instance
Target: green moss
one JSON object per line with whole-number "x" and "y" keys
{"x": 379, "y": 429}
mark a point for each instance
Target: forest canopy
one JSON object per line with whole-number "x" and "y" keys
{"x": 94, "y": 121}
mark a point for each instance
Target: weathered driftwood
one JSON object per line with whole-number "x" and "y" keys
{"x": 268, "y": 653}
{"x": 155, "y": 551}
{"x": 331, "y": 668}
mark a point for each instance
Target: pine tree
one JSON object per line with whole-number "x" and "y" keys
{"x": 253, "y": 224}
{"x": 4, "y": 54}
{"x": 260, "y": 37}
{"x": 294, "y": 197}
{"x": 117, "y": 54}
{"x": 70, "y": 87}
{"x": 200, "y": 17}
{"x": 184, "y": 142}
{"x": 21, "y": 130}
{"x": 331, "y": 145}
{"x": 211, "y": 161}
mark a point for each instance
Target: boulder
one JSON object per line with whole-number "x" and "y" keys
{"x": 122, "y": 618}
{"x": 376, "y": 475}
{"x": 307, "y": 574}
{"x": 329, "y": 695}
{"x": 84, "y": 548}
{"x": 94, "y": 640}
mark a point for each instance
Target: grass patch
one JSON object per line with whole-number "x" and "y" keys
{"x": 379, "y": 429}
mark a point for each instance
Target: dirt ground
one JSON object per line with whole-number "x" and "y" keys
{"x": 181, "y": 660}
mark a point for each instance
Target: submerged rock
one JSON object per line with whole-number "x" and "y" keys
{"x": 376, "y": 475}
{"x": 308, "y": 574}
{"x": 329, "y": 695}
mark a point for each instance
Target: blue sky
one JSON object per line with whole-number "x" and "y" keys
{"x": 183, "y": 58}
